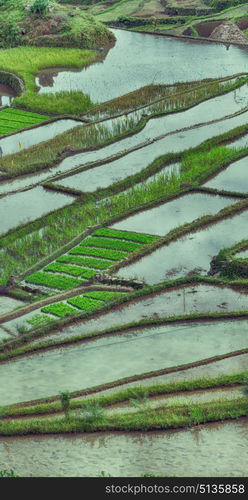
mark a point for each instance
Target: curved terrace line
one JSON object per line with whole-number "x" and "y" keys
{"x": 116, "y": 383}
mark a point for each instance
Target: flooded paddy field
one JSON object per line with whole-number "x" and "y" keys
{"x": 136, "y": 60}
{"x": 137, "y": 160}
{"x": 185, "y": 398}
{"x": 106, "y": 359}
{"x": 191, "y": 252}
{"x": 210, "y": 370}
{"x": 201, "y": 451}
{"x": 179, "y": 301}
{"x": 233, "y": 178}
{"x": 27, "y": 138}
{"x": 29, "y": 205}
{"x": 163, "y": 218}
{"x": 105, "y": 81}
{"x": 8, "y": 304}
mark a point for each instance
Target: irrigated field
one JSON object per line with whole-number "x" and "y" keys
{"x": 123, "y": 256}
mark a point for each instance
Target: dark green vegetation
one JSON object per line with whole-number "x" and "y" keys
{"x": 49, "y": 24}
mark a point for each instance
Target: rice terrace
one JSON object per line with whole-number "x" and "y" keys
{"x": 123, "y": 238}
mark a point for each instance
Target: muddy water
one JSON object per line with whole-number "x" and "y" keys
{"x": 23, "y": 140}
{"x": 111, "y": 358}
{"x": 233, "y": 178}
{"x": 202, "y": 451}
{"x": 187, "y": 300}
{"x": 6, "y": 95}
{"x": 28, "y": 205}
{"x": 8, "y": 304}
{"x": 191, "y": 252}
{"x": 136, "y": 161}
{"x": 160, "y": 220}
{"x": 163, "y": 61}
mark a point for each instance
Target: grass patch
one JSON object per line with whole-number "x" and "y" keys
{"x": 54, "y": 281}
{"x": 26, "y": 62}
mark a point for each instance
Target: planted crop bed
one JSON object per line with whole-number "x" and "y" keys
{"x": 15, "y": 119}
{"x": 69, "y": 269}
{"x": 85, "y": 261}
{"x": 99, "y": 252}
{"x": 59, "y": 309}
{"x": 87, "y": 302}
{"x": 53, "y": 280}
{"x": 114, "y": 244}
{"x": 102, "y": 245}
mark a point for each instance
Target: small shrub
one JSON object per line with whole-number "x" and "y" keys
{"x": 65, "y": 402}
{"x": 40, "y": 7}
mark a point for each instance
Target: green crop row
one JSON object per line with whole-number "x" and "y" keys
{"x": 11, "y": 120}
{"x": 85, "y": 261}
{"x": 103, "y": 295}
{"x": 125, "y": 235}
{"x": 98, "y": 252}
{"x": 70, "y": 269}
{"x": 25, "y": 114}
{"x": 54, "y": 281}
{"x": 85, "y": 303}
{"x": 125, "y": 246}
{"x": 88, "y": 301}
{"x": 59, "y": 309}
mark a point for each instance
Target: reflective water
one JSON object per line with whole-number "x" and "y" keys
{"x": 233, "y": 178}
{"x": 111, "y": 358}
{"x": 163, "y": 61}
{"x": 29, "y": 205}
{"x": 161, "y": 219}
{"x": 191, "y": 252}
{"x": 135, "y": 161}
{"x": 210, "y": 370}
{"x": 202, "y": 451}
{"x": 23, "y": 140}
{"x": 186, "y": 300}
